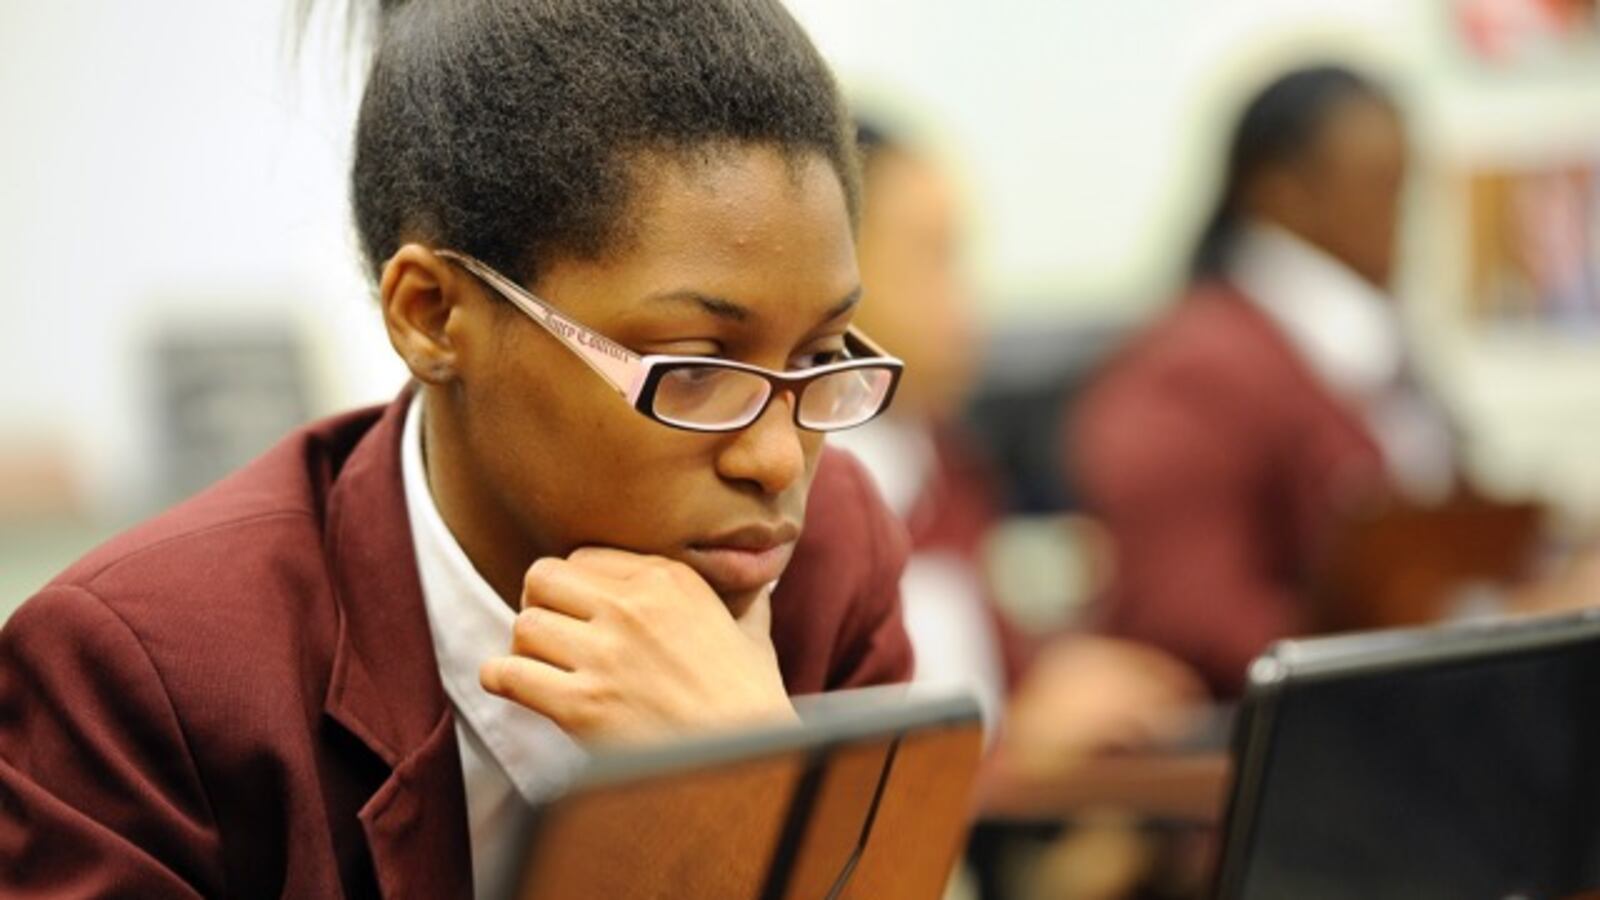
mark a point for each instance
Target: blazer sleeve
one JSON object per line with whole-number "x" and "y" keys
{"x": 99, "y": 794}
{"x": 874, "y": 647}
{"x": 1180, "y": 493}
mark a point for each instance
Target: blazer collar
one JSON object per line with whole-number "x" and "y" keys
{"x": 385, "y": 687}
{"x": 1271, "y": 339}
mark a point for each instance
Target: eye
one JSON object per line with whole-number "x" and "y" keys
{"x": 819, "y": 358}
{"x": 697, "y": 376}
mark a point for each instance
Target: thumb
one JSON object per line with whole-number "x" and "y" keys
{"x": 756, "y": 620}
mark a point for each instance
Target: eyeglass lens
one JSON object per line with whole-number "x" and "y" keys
{"x": 844, "y": 398}
{"x": 711, "y": 397}
{"x": 707, "y": 397}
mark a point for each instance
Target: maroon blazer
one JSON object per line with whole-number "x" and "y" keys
{"x": 1218, "y": 461}
{"x": 239, "y": 697}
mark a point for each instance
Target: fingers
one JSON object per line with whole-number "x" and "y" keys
{"x": 577, "y": 703}
{"x": 625, "y": 565}
{"x": 533, "y": 683}
{"x": 550, "y": 636}
{"x": 609, "y": 561}
{"x": 559, "y": 585}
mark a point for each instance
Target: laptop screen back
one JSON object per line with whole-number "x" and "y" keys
{"x": 1465, "y": 763}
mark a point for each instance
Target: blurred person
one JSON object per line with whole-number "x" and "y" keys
{"x": 930, "y": 475}
{"x": 614, "y": 245}
{"x": 1224, "y": 442}
{"x": 1050, "y": 702}
{"x": 1052, "y": 699}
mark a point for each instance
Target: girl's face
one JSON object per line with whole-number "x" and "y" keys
{"x": 912, "y": 266}
{"x": 741, "y": 254}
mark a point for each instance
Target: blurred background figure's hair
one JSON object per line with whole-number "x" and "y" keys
{"x": 1278, "y": 126}
{"x": 873, "y": 140}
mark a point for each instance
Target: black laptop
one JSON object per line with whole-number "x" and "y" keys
{"x": 1452, "y": 762}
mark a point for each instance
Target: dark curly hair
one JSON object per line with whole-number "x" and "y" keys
{"x": 511, "y": 129}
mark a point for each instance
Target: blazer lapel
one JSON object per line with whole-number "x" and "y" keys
{"x": 416, "y": 823}
{"x": 385, "y": 687}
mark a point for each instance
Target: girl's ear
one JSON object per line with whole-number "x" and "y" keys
{"x": 420, "y": 294}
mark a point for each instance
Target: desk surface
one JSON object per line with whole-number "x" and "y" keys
{"x": 1188, "y": 787}
{"x": 1186, "y": 780}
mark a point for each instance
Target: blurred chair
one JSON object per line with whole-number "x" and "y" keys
{"x": 1398, "y": 563}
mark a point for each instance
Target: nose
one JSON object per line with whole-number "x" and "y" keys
{"x": 770, "y": 453}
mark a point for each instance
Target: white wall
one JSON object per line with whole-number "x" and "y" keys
{"x": 1088, "y": 129}
{"x": 163, "y": 158}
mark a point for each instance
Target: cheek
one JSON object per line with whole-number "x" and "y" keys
{"x": 1356, "y": 219}
{"x": 573, "y": 462}
{"x": 1377, "y": 221}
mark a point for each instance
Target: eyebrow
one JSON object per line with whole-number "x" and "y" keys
{"x": 729, "y": 310}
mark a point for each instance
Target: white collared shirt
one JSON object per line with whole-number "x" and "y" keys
{"x": 510, "y": 755}
{"x": 1350, "y": 337}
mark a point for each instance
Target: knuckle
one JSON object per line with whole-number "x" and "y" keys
{"x": 598, "y": 693}
{"x": 506, "y": 676}
{"x": 664, "y": 575}
{"x": 578, "y": 718}
{"x": 586, "y": 705}
{"x": 541, "y": 573}
{"x": 524, "y": 629}
{"x": 491, "y": 676}
{"x": 633, "y": 617}
{"x": 684, "y": 577}
{"x": 677, "y": 569}
{"x": 606, "y": 652}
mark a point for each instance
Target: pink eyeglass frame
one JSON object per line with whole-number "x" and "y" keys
{"x": 635, "y": 377}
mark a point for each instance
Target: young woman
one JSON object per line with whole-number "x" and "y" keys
{"x": 613, "y": 244}
{"x": 1223, "y": 445}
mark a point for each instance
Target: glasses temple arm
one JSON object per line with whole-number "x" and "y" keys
{"x": 616, "y": 364}
{"x": 854, "y": 335}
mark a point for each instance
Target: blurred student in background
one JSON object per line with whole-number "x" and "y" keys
{"x": 1050, "y": 702}
{"x": 909, "y": 251}
{"x": 1068, "y": 695}
{"x": 1221, "y": 445}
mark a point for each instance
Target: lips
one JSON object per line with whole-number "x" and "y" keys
{"x": 744, "y": 559}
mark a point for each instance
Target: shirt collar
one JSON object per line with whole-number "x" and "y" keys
{"x": 470, "y": 623}
{"x": 1345, "y": 328}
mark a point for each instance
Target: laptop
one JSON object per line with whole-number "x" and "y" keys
{"x": 869, "y": 797}
{"x": 1458, "y": 761}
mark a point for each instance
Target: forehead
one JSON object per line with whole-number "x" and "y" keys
{"x": 748, "y": 224}
{"x": 903, "y": 189}
{"x": 749, "y": 207}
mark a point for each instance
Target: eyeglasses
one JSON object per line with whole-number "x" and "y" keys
{"x": 697, "y": 393}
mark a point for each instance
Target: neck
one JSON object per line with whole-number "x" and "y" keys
{"x": 487, "y": 530}
{"x": 1327, "y": 248}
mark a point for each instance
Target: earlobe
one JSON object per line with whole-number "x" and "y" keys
{"x": 418, "y": 299}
